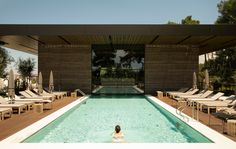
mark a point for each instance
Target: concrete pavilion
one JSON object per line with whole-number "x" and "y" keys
{"x": 171, "y": 51}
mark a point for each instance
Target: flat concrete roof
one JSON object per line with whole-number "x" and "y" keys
{"x": 28, "y": 37}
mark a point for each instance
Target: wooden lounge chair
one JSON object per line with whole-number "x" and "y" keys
{"x": 48, "y": 97}
{"x": 15, "y": 107}
{"x": 181, "y": 90}
{"x": 55, "y": 95}
{"x": 187, "y": 98}
{"x": 217, "y": 104}
{"x": 226, "y": 113}
{"x": 35, "y": 100}
{"x": 187, "y": 93}
{"x": 200, "y": 95}
{"x": 5, "y": 112}
{"x": 26, "y": 95}
{"x": 192, "y": 101}
{"x": 183, "y": 97}
{"x": 230, "y": 111}
{"x": 212, "y": 105}
{"x": 29, "y": 104}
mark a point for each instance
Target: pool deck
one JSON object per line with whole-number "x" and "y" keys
{"x": 215, "y": 123}
{"x": 10, "y": 126}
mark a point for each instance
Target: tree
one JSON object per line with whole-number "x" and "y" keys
{"x": 186, "y": 20}
{"x": 189, "y": 20}
{"x": 227, "y": 10}
{"x": 5, "y": 59}
{"x": 25, "y": 69}
{"x": 224, "y": 65}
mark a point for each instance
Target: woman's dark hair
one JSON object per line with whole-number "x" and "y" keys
{"x": 117, "y": 128}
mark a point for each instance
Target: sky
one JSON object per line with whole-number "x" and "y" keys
{"x": 104, "y": 12}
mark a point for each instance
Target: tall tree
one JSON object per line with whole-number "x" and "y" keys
{"x": 227, "y": 10}
{"x": 186, "y": 20}
{"x": 189, "y": 20}
{"x": 5, "y": 59}
{"x": 25, "y": 68}
{"x": 224, "y": 65}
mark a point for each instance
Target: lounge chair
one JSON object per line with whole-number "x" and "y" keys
{"x": 181, "y": 90}
{"x": 182, "y": 94}
{"x": 29, "y": 104}
{"x": 35, "y": 100}
{"x": 15, "y": 107}
{"x": 213, "y": 105}
{"x": 48, "y": 97}
{"x": 227, "y": 97}
{"x": 191, "y": 101}
{"x": 229, "y": 102}
{"x": 55, "y": 95}
{"x": 232, "y": 105}
{"x": 5, "y": 112}
{"x": 226, "y": 113}
{"x": 186, "y": 98}
{"x": 204, "y": 94}
{"x": 228, "y": 110}
{"x": 26, "y": 95}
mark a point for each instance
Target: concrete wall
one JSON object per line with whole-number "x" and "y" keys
{"x": 71, "y": 66}
{"x": 169, "y": 67}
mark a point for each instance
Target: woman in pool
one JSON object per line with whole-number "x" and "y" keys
{"x": 117, "y": 135}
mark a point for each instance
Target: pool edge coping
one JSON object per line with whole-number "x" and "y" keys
{"x": 208, "y": 132}
{"x": 26, "y": 132}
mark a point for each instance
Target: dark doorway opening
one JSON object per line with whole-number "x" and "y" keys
{"x": 118, "y": 69}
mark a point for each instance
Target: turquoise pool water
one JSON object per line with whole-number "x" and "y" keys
{"x": 140, "y": 121}
{"x": 118, "y": 90}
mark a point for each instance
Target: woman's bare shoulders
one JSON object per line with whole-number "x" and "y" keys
{"x": 120, "y": 134}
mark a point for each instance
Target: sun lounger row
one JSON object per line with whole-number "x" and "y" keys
{"x": 20, "y": 105}
{"x": 205, "y": 101}
{"x": 16, "y": 107}
{"x": 189, "y": 92}
{"x": 224, "y": 107}
{"x": 217, "y": 104}
{"x": 202, "y": 94}
{"x": 26, "y": 102}
{"x": 57, "y": 95}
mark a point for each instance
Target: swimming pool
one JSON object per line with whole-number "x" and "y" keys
{"x": 140, "y": 120}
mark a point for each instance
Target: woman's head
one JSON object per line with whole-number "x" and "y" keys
{"x": 117, "y": 128}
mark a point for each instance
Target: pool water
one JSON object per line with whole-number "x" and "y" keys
{"x": 140, "y": 121}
